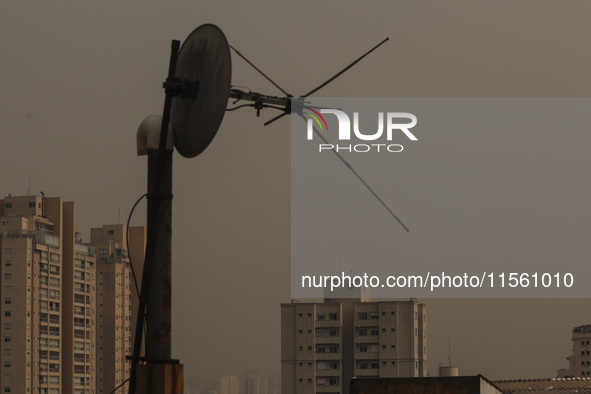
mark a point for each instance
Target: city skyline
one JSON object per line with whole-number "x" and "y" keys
{"x": 79, "y": 78}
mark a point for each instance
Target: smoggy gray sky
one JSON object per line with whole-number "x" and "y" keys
{"x": 78, "y": 77}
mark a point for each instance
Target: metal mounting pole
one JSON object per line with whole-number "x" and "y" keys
{"x": 158, "y": 374}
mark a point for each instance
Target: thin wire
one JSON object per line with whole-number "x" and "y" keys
{"x": 275, "y": 118}
{"x": 345, "y": 69}
{"x": 260, "y": 72}
{"x": 238, "y": 107}
{"x": 135, "y": 281}
{"x": 137, "y": 289}
{"x": 360, "y": 178}
{"x": 121, "y": 385}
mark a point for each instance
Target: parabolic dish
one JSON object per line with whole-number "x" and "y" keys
{"x": 203, "y": 57}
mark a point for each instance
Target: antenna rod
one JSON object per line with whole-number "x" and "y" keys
{"x": 260, "y": 72}
{"x": 361, "y": 179}
{"x": 346, "y": 68}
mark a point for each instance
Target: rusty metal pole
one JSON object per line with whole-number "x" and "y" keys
{"x": 158, "y": 312}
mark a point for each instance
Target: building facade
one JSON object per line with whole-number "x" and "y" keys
{"x": 67, "y": 309}
{"x": 117, "y": 301}
{"x": 47, "y": 307}
{"x": 325, "y": 344}
{"x": 579, "y": 362}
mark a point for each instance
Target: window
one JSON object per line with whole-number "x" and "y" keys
{"x": 8, "y": 275}
{"x": 362, "y": 332}
{"x": 8, "y": 205}
{"x": 320, "y": 317}
{"x": 8, "y": 263}
{"x": 7, "y": 314}
{"x": 32, "y": 204}
{"x": 363, "y": 365}
{"x": 111, "y": 232}
{"x": 6, "y": 364}
{"x": 55, "y": 282}
{"x": 362, "y": 316}
{"x": 6, "y": 339}
{"x": 375, "y": 316}
{"x": 7, "y": 301}
{"x": 363, "y": 349}
{"x": 54, "y": 294}
{"x": 332, "y": 316}
{"x": 376, "y": 365}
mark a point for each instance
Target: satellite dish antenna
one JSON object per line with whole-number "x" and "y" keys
{"x": 197, "y": 90}
{"x": 204, "y": 72}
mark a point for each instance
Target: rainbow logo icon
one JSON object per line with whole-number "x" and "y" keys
{"x": 317, "y": 117}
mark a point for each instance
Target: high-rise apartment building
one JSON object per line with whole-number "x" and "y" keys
{"x": 324, "y": 345}
{"x": 47, "y": 298}
{"x": 117, "y": 301}
{"x": 579, "y": 361}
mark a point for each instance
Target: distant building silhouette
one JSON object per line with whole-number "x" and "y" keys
{"x": 229, "y": 385}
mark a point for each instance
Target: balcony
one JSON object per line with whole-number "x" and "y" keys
{"x": 17, "y": 234}
{"x": 48, "y": 239}
{"x": 84, "y": 250}
{"x": 328, "y": 340}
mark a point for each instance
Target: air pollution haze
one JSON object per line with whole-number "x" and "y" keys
{"x": 78, "y": 78}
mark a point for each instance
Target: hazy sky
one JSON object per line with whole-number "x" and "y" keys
{"x": 78, "y": 77}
